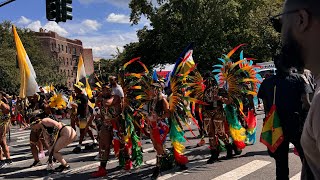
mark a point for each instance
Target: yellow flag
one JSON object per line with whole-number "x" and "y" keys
{"x": 28, "y": 84}
{"x": 82, "y": 76}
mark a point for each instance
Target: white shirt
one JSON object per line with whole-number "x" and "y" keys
{"x": 310, "y": 139}
{"x": 118, "y": 91}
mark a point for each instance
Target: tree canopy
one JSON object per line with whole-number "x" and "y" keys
{"x": 215, "y": 26}
{"x": 44, "y": 66}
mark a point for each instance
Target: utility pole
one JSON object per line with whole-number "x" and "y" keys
{"x": 6, "y": 2}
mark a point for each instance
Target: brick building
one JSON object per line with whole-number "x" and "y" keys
{"x": 66, "y": 52}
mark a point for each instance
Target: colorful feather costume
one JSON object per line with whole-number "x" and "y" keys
{"x": 182, "y": 85}
{"x": 58, "y": 101}
{"x": 235, "y": 77}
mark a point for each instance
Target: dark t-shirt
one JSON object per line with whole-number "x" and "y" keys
{"x": 288, "y": 97}
{"x": 82, "y": 102}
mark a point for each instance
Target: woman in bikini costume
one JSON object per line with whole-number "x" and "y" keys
{"x": 58, "y": 136}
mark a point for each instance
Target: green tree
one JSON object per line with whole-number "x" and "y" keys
{"x": 215, "y": 26}
{"x": 44, "y": 66}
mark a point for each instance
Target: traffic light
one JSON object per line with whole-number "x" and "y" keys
{"x": 66, "y": 10}
{"x": 53, "y": 10}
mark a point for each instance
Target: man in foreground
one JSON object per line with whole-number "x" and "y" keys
{"x": 300, "y": 27}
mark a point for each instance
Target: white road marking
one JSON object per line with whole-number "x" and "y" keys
{"x": 22, "y": 140}
{"x": 185, "y": 172}
{"x": 296, "y": 177}
{"x": 86, "y": 155}
{"x": 20, "y": 155}
{"x": 19, "y": 135}
{"x": 26, "y": 170}
{"x": 20, "y": 132}
{"x": 243, "y": 171}
{"x": 20, "y": 144}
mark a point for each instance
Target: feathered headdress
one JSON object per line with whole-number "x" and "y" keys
{"x": 58, "y": 101}
{"x": 239, "y": 78}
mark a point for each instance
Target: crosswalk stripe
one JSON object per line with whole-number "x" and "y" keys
{"x": 20, "y": 132}
{"x": 22, "y": 140}
{"x": 111, "y": 153}
{"x": 25, "y": 170}
{"x": 190, "y": 166}
{"x": 22, "y": 149}
{"x": 244, "y": 170}
{"x": 20, "y": 155}
{"x": 296, "y": 177}
{"x": 19, "y": 135}
{"x": 28, "y": 154}
{"x": 20, "y": 144}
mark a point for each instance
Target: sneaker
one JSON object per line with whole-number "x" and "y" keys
{"x": 41, "y": 155}
{"x": 35, "y": 163}
{"x": 100, "y": 173}
{"x": 62, "y": 168}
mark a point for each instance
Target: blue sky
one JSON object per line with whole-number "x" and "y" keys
{"x": 102, "y": 25}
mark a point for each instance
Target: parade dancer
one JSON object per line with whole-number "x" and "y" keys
{"x": 37, "y": 141}
{"x": 215, "y": 119}
{"x": 58, "y": 135}
{"x": 81, "y": 103}
{"x": 109, "y": 114}
{"x": 233, "y": 78}
{"x": 4, "y": 125}
{"x": 158, "y": 111}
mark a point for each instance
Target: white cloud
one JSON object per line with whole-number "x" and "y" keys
{"x": 117, "y": 3}
{"x": 86, "y": 26}
{"x": 91, "y": 24}
{"x": 118, "y": 18}
{"x": 34, "y": 26}
{"x": 51, "y": 26}
{"x": 23, "y": 20}
{"x": 106, "y": 45}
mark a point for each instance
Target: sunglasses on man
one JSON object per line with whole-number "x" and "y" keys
{"x": 276, "y": 20}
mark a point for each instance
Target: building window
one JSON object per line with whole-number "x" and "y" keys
{"x": 68, "y": 73}
{"x": 52, "y": 47}
{"x": 58, "y": 47}
{"x": 69, "y": 50}
{"x": 64, "y": 62}
{"x": 74, "y": 51}
{"x": 66, "y": 49}
{"x": 62, "y": 49}
{"x": 67, "y": 62}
